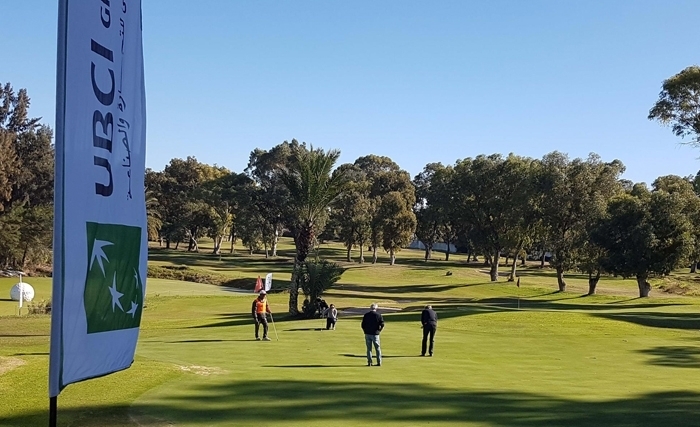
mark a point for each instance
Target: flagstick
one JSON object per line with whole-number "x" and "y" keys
{"x": 274, "y": 327}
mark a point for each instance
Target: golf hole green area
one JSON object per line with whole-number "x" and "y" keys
{"x": 504, "y": 356}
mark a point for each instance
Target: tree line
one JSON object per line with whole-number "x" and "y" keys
{"x": 26, "y": 184}
{"x": 494, "y": 206}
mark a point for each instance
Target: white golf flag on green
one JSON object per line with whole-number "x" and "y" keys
{"x": 268, "y": 282}
{"x": 100, "y": 252}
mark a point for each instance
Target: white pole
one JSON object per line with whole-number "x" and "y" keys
{"x": 21, "y": 293}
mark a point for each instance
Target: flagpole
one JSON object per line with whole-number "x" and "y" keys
{"x": 53, "y": 410}
{"x": 57, "y": 285}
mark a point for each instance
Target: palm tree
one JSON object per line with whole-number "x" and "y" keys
{"x": 154, "y": 220}
{"x": 312, "y": 187}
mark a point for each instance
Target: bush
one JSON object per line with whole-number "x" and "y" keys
{"x": 39, "y": 307}
{"x": 315, "y": 278}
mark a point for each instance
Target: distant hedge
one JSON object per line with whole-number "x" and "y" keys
{"x": 187, "y": 274}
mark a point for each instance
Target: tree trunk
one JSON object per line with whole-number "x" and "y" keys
{"x": 302, "y": 241}
{"x": 167, "y": 243}
{"x": 392, "y": 257}
{"x": 511, "y": 278}
{"x": 560, "y": 279}
{"x": 447, "y": 252}
{"x": 469, "y": 257}
{"x": 428, "y": 252}
{"x": 644, "y": 286}
{"x": 348, "y": 258}
{"x": 522, "y": 261}
{"x": 487, "y": 260}
{"x": 274, "y": 242}
{"x": 507, "y": 259}
{"x": 267, "y": 252}
{"x": 494, "y": 266}
{"x": 362, "y": 253}
{"x": 177, "y": 244}
{"x": 593, "y": 282}
{"x": 217, "y": 245}
{"x": 542, "y": 259}
{"x": 294, "y": 291}
{"x": 374, "y": 254}
{"x": 694, "y": 267}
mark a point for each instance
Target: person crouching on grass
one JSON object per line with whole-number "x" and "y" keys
{"x": 259, "y": 310}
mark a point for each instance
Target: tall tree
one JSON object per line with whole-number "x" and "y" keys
{"x": 26, "y": 182}
{"x": 384, "y": 176}
{"x": 399, "y": 223}
{"x": 684, "y": 188}
{"x": 644, "y": 235}
{"x": 679, "y": 104}
{"x": 312, "y": 188}
{"x": 575, "y": 196}
{"x": 491, "y": 191}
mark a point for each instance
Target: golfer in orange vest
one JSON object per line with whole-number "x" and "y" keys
{"x": 259, "y": 310}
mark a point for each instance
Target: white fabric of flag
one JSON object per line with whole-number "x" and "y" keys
{"x": 100, "y": 244}
{"x": 268, "y": 282}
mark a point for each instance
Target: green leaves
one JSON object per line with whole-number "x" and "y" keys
{"x": 679, "y": 104}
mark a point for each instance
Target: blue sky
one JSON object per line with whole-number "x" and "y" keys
{"x": 417, "y": 81}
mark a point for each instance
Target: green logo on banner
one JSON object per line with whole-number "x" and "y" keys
{"x": 113, "y": 287}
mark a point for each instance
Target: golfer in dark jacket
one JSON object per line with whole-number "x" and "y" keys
{"x": 429, "y": 320}
{"x": 372, "y": 325}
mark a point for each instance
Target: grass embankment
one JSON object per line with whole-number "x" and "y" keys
{"x": 561, "y": 359}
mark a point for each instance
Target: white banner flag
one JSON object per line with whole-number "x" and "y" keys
{"x": 268, "y": 282}
{"x": 100, "y": 245}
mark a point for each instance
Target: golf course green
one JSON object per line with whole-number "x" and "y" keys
{"x": 504, "y": 356}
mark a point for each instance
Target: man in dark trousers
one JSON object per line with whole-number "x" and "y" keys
{"x": 372, "y": 325}
{"x": 429, "y": 320}
{"x": 259, "y": 310}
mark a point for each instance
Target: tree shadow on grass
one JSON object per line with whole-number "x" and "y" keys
{"x": 685, "y": 321}
{"x": 674, "y": 356}
{"x": 375, "y": 403}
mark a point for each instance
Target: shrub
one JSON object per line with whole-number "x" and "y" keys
{"x": 315, "y": 278}
{"x": 39, "y": 307}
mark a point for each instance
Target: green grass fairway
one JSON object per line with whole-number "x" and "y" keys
{"x": 559, "y": 360}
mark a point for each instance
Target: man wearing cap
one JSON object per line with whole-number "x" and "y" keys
{"x": 259, "y": 310}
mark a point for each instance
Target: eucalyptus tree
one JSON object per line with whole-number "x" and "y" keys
{"x": 426, "y": 209}
{"x": 643, "y": 235}
{"x": 272, "y": 197}
{"x": 492, "y": 192}
{"x": 186, "y": 212}
{"x": 352, "y": 210}
{"x": 384, "y": 176}
{"x": 684, "y": 187}
{"x": 313, "y": 188}
{"x": 575, "y": 196}
{"x": 398, "y": 222}
{"x": 678, "y": 105}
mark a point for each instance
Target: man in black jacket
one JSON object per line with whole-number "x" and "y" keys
{"x": 429, "y": 320}
{"x": 372, "y": 325}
